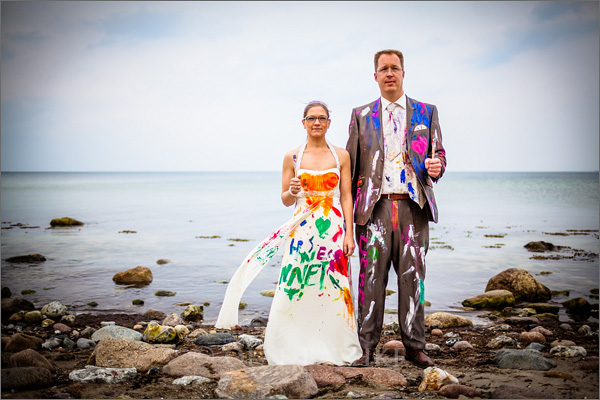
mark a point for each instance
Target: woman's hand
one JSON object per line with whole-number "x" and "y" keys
{"x": 348, "y": 245}
{"x": 295, "y": 187}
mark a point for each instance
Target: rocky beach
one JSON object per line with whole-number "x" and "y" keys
{"x": 524, "y": 351}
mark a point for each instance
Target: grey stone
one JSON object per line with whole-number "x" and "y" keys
{"x": 568, "y": 351}
{"x": 68, "y": 344}
{"x": 173, "y": 320}
{"x": 566, "y": 327}
{"x": 536, "y": 346}
{"x": 52, "y": 343}
{"x": 249, "y": 342}
{"x": 189, "y": 380}
{"x": 198, "y": 364}
{"x": 292, "y": 381}
{"x": 523, "y": 359}
{"x": 92, "y": 374}
{"x": 116, "y": 332}
{"x": 212, "y": 339}
{"x": 83, "y": 343}
{"x": 502, "y": 341}
{"x": 259, "y": 321}
{"x": 87, "y": 332}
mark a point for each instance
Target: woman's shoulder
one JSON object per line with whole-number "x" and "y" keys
{"x": 341, "y": 152}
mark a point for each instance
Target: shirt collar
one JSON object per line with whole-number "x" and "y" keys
{"x": 401, "y": 102}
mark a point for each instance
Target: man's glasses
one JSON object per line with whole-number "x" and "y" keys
{"x": 311, "y": 119}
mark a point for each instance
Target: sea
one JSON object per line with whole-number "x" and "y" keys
{"x": 206, "y": 223}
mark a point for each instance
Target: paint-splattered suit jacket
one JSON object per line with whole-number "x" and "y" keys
{"x": 365, "y": 146}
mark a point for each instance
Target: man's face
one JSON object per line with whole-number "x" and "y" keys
{"x": 390, "y": 76}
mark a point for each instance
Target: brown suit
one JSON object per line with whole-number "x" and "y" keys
{"x": 392, "y": 231}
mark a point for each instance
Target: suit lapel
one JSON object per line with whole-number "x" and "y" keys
{"x": 376, "y": 122}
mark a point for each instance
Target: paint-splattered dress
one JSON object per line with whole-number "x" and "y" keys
{"x": 312, "y": 317}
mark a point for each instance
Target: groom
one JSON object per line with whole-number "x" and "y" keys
{"x": 396, "y": 150}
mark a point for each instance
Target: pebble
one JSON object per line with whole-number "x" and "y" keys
{"x": 249, "y": 342}
{"x": 462, "y": 345}
{"x": 87, "y": 332}
{"x": 451, "y": 335}
{"x": 501, "y": 341}
{"x": 562, "y": 343}
{"x": 61, "y": 328}
{"x": 536, "y": 346}
{"x": 83, "y": 343}
{"x": 432, "y": 347}
{"x": 501, "y": 327}
{"x": 529, "y": 337}
{"x": 52, "y": 343}
{"x": 233, "y": 346}
{"x": 68, "y": 344}
{"x": 68, "y": 319}
{"x": 585, "y": 330}
{"x": 546, "y": 332}
{"x": 259, "y": 321}
{"x": 568, "y": 351}
{"x": 437, "y": 332}
{"x": 117, "y": 332}
{"x": 452, "y": 341}
{"x": 93, "y": 374}
{"x": 566, "y": 327}
{"x": 107, "y": 323}
{"x": 395, "y": 347}
{"x": 192, "y": 379}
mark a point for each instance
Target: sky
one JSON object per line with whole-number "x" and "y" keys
{"x": 221, "y": 86}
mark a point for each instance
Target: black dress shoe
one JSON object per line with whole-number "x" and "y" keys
{"x": 418, "y": 357}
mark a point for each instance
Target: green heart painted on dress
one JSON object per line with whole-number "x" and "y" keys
{"x": 322, "y": 225}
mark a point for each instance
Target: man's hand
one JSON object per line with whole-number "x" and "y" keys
{"x": 433, "y": 166}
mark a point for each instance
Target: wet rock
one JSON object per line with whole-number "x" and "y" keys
{"x": 434, "y": 378}
{"x": 502, "y": 341}
{"x": 259, "y": 321}
{"x": 29, "y": 258}
{"x": 249, "y": 342}
{"x": 577, "y": 306}
{"x": 156, "y": 333}
{"x": 445, "y": 320}
{"x": 163, "y": 261}
{"x": 65, "y": 222}
{"x": 12, "y": 305}
{"x": 199, "y": 364}
{"x": 118, "y": 353}
{"x": 540, "y": 247}
{"x": 164, "y": 293}
{"x": 394, "y": 347}
{"x": 134, "y": 276}
{"x": 292, "y": 381}
{"x": 116, "y": 332}
{"x": 6, "y": 293}
{"x": 517, "y": 392}
{"x": 530, "y": 337}
{"x": 521, "y": 283}
{"x": 26, "y": 378}
{"x": 20, "y": 341}
{"x": 453, "y": 391}
{"x": 155, "y": 315}
{"x": 544, "y": 308}
{"x": 522, "y": 321}
{"x": 54, "y": 310}
{"x": 568, "y": 351}
{"x": 193, "y": 313}
{"x": 173, "y": 320}
{"x": 92, "y": 374}
{"x": 29, "y": 358}
{"x": 191, "y": 380}
{"x": 496, "y": 299}
{"x": 33, "y": 317}
{"x": 268, "y": 293}
{"x": 61, "y": 328}
{"x": 213, "y": 339}
{"x": 83, "y": 343}
{"x": 47, "y": 323}
{"x": 68, "y": 319}
{"x": 523, "y": 359}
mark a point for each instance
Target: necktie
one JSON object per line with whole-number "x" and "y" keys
{"x": 393, "y": 137}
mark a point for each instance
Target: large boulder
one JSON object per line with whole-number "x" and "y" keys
{"x": 54, "y": 310}
{"x": 577, "y": 306}
{"x": 521, "y": 284}
{"x": 523, "y": 359}
{"x": 20, "y": 341}
{"x": 496, "y": 299}
{"x": 29, "y": 358}
{"x": 65, "y": 222}
{"x": 198, "y": 364}
{"x": 134, "y": 276}
{"x": 328, "y": 375}
{"x": 540, "y": 247}
{"x": 25, "y": 378}
{"x": 12, "y": 305}
{"x": 118, "y": 353}
{"x": 443, "y": 320}
{"x": 193, "y": 313}
{"x": 291, "y": 381}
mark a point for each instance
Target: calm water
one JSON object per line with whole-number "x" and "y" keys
{"x": 170, "y": 211}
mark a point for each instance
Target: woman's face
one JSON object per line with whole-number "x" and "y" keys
{"x": 316, "y": 122}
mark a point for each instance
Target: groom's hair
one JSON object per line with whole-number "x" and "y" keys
{"x": 389, "y": 51}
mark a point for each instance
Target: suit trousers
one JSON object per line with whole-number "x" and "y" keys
{"x": 397, "y": 234}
